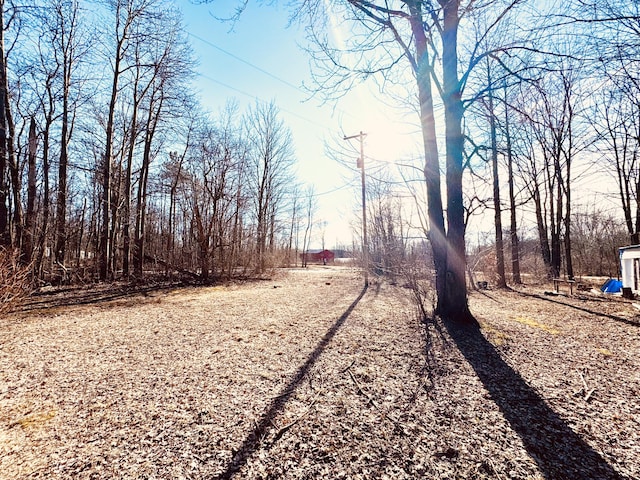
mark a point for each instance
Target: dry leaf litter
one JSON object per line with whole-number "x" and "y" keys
{"x": 305, "y": 375}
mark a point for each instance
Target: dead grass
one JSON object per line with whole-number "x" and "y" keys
{"x": 307, "y": 376}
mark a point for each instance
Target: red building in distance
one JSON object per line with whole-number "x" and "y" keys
{"x": 318, "y": 256}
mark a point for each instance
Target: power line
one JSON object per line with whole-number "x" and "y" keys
{"x": 334, "y": 190}
{"x": 255, "y": 97}
{"x": 246, "y": 62}
{"x": 350, "y": 183}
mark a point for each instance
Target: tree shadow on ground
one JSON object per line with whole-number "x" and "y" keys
{"x": 582, "y": 309}
{"x": 252, "y": 442}
{"x": 105, "y": 293}
{"x": 93, "y": 295}
{"x": 559, "y": 452}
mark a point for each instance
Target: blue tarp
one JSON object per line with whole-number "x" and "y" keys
{"x": 612, "y": 286}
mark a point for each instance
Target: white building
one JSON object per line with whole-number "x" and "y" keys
{"x": 630, "y": 267}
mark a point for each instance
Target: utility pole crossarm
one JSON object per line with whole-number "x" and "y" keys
{"x": 359, "y": 135}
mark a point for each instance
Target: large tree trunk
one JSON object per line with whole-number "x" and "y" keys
{"x": 437, "y": 235}
{"x": 455, "y": 305}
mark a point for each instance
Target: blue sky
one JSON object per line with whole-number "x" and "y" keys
{"x": 259, "y": 57}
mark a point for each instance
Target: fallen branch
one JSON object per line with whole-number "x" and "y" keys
{"x": 361, "y": 391}
{"x": 588, "y": 395}
{"x": 350, "y": 365}
{"x": 493, "y": 466}
{"x": 584, "y": 382}
{"x": 165, "y": 264}
{"x": 288, "y": 426}
{"x": 587, "y": 392}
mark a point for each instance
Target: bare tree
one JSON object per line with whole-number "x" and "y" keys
{"x": 174, "y": 175}
{"x": 488, "y": 110}
{"x": 67, "y": 51}
{"x": 597, "y": 235}
{"x": 9, "y": 18}
{"x": 165, "y": 98}
{"x": 310, "y": 212}
{"x": 43, "y": 75}
{"x": 386, "y": 225}
{"x": 609, "y": 31}
{"x": 513, "y": 224}
{"x": 617, "y": 127}
{"x": 269, "y": 170}
{"x": 5, "y": 236}
{"x": 294, "y": 227}
{"x": 30, "y": 221}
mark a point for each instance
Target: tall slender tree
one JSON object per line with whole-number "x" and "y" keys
{"x": 30, "y": 221}
{"x": 5, "y": 234}
{"x": 64, "y": 22}
{"x": 513, "y": 213}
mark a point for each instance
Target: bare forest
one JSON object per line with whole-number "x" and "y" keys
{"x": 111, "y": 170}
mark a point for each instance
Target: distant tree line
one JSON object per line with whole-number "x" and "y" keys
{"x": 110, "y": 168}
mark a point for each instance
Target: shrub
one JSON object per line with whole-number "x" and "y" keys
{"x": 15, "y": 281}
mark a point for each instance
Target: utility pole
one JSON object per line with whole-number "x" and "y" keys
{"x": 365, "y": 244}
